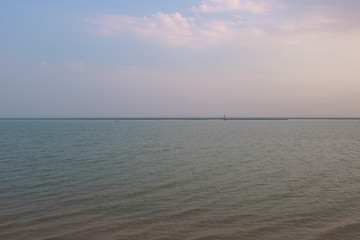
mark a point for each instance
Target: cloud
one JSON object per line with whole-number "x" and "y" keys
{"x": 213, "y": 6}
{"x": 283, "y": 24}
{"x": 177, "y": 30}
{"x": 171, "y": 29}
{"x": 174, "y": 29}
{"x": 308, "y": 22}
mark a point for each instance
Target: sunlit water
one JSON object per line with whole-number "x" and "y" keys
{"x": 179, "y": 179}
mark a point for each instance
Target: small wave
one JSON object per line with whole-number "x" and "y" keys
{"x": 348, "y": 231}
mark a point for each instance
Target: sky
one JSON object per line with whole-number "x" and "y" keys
{"x": 167, "y": 58}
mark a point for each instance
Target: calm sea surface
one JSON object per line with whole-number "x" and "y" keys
{"x": 83, "y": 179}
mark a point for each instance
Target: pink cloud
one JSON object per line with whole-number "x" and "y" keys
{"x": 172, "y": 29}
{"x": 176, "y": 30}
{"x": 201, "y": 31}
{"x": 211, "y": 6}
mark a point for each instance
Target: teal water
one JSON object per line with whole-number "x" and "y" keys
{"x": 174, "y": 179}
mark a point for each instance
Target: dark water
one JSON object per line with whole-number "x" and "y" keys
{"x": 179, "y": 179}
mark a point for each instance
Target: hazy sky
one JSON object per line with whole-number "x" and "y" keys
{"x": 140, "y": 58}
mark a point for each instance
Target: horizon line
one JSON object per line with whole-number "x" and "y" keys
{"x": 179, "y": 118}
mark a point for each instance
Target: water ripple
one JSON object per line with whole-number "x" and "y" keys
{"x": 180, "y": 180}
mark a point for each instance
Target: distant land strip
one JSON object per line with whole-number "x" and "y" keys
{"x": 189, "y": 118}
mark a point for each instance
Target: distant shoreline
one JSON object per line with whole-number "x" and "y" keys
{"x": 190, "y": 118}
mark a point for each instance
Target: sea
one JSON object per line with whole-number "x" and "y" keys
{"x": 180, "y": 179}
